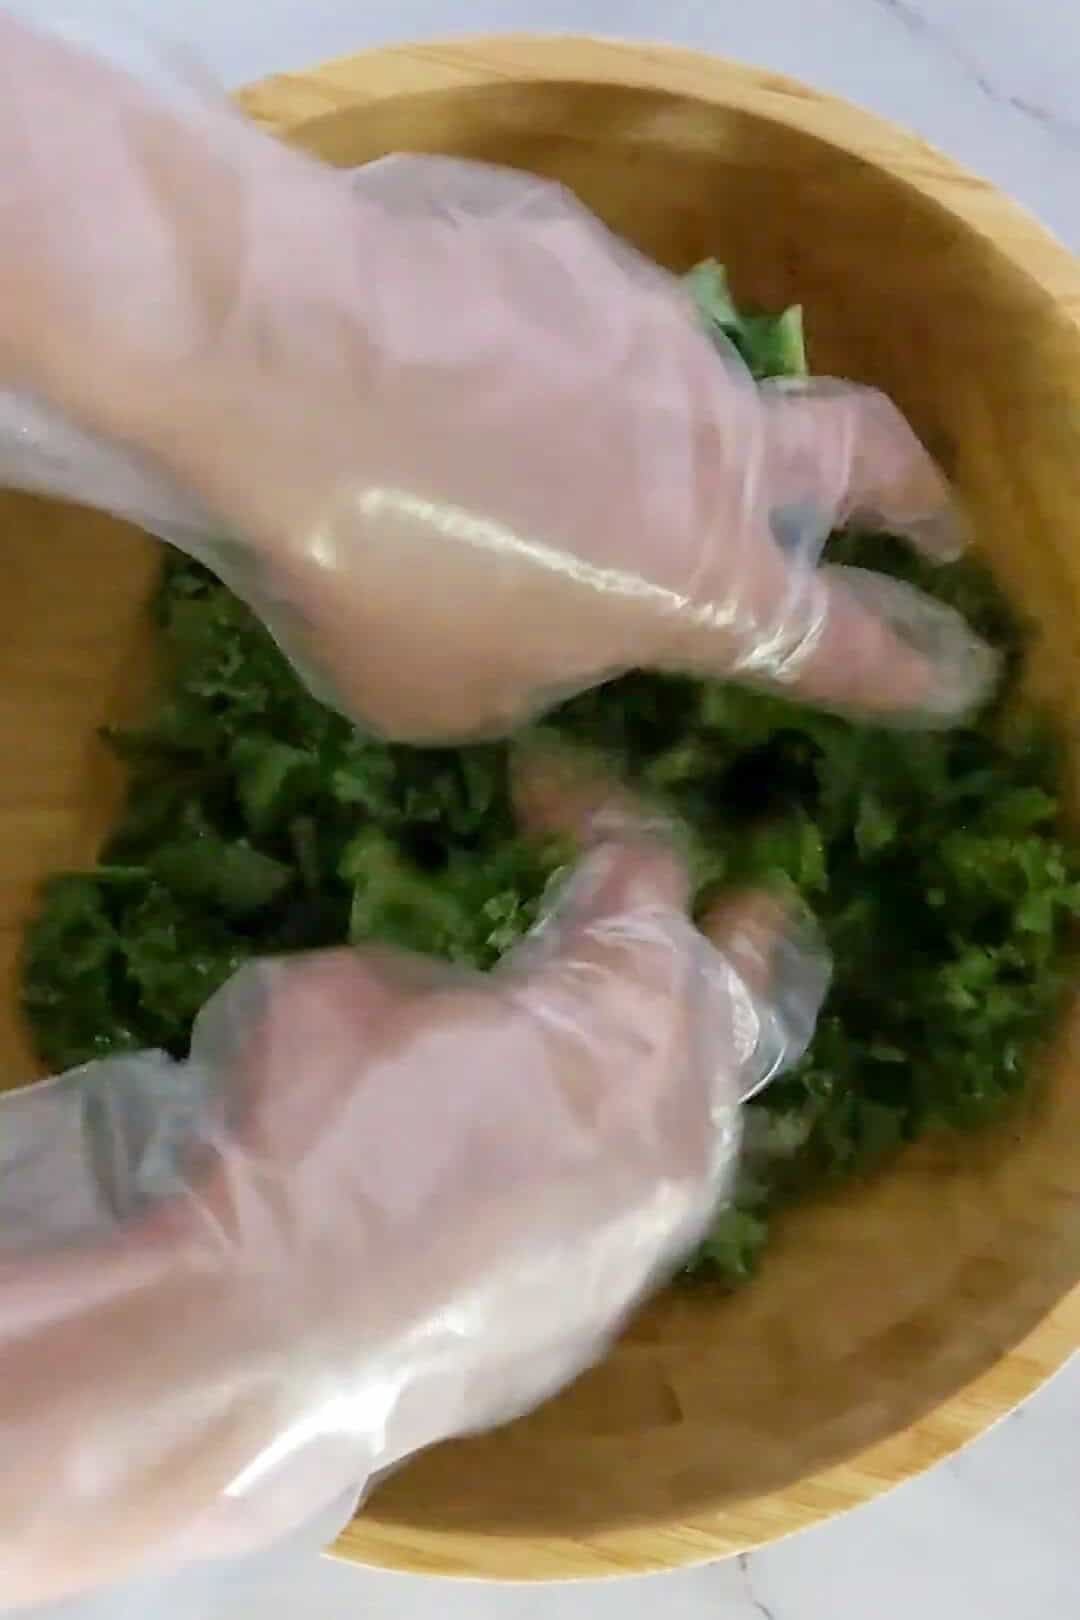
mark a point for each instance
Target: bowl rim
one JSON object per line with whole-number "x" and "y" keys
{"x": 286, "y": 104}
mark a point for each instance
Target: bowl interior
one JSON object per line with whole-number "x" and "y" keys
{"x": 877, "y": 1305}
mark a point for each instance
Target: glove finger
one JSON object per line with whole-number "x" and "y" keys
{"x": 843, "y": 639}
{"x": 781, "y": 960}
{"x": 847, "y": 453}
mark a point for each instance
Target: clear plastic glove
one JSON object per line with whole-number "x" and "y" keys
{"x": 474, "y": 451}
{"x": 383, "y": 1203}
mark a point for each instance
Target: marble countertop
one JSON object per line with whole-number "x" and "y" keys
{"x": 993, "y": 82}
{"x": 991, "y": 1534}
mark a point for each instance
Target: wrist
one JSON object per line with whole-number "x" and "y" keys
{"x": 126, "y": 211}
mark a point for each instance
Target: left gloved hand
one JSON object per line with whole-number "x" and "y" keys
{"x": 473, "y": 451}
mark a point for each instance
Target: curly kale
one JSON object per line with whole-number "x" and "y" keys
{"x": 258, "y": 821}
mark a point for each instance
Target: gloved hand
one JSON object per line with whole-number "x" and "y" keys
{"x": 384, "y": 1202}
{"x": 474, "y": 451}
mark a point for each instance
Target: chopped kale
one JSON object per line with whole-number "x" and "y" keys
{"x": 258, "y": 821}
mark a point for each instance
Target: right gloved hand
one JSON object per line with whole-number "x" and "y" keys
{"x": 474, "y": 450}
{"x": 384, "y": 1202}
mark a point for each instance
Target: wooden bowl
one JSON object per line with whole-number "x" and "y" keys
{"x": 894, "y": 1322}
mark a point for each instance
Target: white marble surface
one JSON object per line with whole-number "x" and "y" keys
{"x": 990, "y": 1535}
{"x": 994, "y": 82}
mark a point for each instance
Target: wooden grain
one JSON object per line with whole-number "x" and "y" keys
{"x": 897, "y": 1321}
